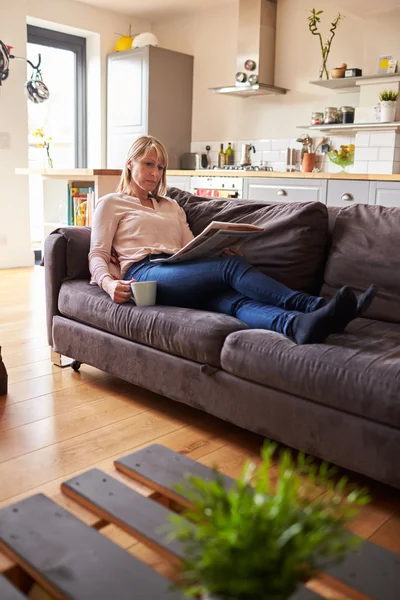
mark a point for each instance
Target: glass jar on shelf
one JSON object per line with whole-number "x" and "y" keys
{"x": 317, "y": 118}
{"x": 347, "y": 114}
{"x": 331, "y": 115}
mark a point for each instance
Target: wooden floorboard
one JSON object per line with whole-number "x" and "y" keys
{"x": 56, "y": 423}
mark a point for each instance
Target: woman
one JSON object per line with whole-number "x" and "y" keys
{"x": 139, "y": 222}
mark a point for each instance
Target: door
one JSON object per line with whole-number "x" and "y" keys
{"x": 384, "y": 193}
{"x": 127, "y": 103}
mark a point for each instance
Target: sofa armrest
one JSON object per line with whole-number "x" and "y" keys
{"x": 65, "y": 257}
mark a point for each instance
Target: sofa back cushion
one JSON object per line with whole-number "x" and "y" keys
{"x": 293, "y": 247}
{"x": 366, "y": 249}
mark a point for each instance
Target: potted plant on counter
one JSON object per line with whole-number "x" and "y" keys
{"x": 257, "y": 540}
{"x": 388, "y": 100}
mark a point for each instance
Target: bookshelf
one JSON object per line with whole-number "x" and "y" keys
{"x": 57, "y": 204}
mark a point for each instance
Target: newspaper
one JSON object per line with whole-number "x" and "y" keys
{"x": 212, "y": 241}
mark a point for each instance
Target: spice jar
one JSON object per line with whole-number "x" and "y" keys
{"x": 331, "y": 115}
{"x": 347, "y": 114}
{"x": 317, "y": 118}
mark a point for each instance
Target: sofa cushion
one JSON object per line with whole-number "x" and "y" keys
{"x": 365, "y": 249}
{"x": 293, "y": 247}
{"x": 356, "y": 372}
{"x": 78, "y": 245}
{"x": 193, "y": 334}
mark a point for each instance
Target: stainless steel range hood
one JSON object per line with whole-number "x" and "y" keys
{"x": 256, "y": 42}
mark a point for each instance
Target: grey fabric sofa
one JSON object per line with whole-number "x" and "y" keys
{"x": 339, "y": 400}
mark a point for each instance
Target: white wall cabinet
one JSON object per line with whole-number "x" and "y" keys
{"x": 149, "y": 92}
{"x": 179, "y": 181}
{"x": 346, "y": 192}
{"x": 285, "y": 190}
{"x": 384, "y": 193}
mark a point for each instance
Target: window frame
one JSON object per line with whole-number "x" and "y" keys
{"x": 76, "y": 44}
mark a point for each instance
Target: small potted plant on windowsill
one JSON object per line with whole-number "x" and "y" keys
{"x": 253, "y": 542}
{"x": 388, "y": 100}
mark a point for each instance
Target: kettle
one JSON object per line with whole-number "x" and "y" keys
{"x": 245, "y": 159}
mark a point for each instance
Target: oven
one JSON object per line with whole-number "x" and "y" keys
{"x": 216, "y": 186}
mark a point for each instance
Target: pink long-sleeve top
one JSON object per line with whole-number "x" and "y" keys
{"x": 134, "y": 231}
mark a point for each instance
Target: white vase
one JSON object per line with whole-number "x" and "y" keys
{"x": 388, "y": 111}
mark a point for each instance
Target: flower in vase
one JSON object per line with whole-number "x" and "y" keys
{"x": 44, "y": 143}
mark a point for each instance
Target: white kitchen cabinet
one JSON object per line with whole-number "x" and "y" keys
{"x": 149, "y": 92}
{"x": 179, "y": 181}
{"x": 384, "y": 193}
{"x": 346, "y": 192}
{"x": 285, "y": 190}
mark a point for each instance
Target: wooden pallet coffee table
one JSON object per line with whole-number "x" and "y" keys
{"x": 47, "y": 544}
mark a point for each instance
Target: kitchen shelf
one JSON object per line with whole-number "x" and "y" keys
{"x": 348, "y": 128}
{"x": 352, "y": 84}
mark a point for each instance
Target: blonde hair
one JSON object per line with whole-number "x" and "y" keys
{"x": 140, "y": 148}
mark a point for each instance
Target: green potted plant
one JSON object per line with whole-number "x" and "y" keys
{"x": 313, "y": 21}
{"x": 254, "y": 542}
{"x": 388, "y": 100}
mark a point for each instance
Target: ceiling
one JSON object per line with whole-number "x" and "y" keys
{"x": 155, "y": 10}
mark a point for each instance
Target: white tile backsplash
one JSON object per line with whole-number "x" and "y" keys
{"x": 366, "y": 153}
{"x": 396, "y": 156}
{"x": 362, "y": 140}
{"x": 270, "y": 156}
{"x": 386, "y": 153}
{"x": 280, "y": 144}
{"x": 383, "y": 139}
{"x": 376, "y": 153}
{"x": 360, "y": 166}
{"x": 262, "y": 145}
{"x": 380, "y": 168}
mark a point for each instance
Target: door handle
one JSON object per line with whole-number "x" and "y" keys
{"x": 281, "y": 193}
{"x": 348, "y": 197}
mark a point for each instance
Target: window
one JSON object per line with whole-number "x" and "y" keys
{"x": 63, "y": 116}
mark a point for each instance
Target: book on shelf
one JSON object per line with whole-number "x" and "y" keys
{"x": 215, "y": 238}
{"x": 80, "y": 204}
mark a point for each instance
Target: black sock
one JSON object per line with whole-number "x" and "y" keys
{"x": 314, "y": 328}
{"x": 365, "y": 299}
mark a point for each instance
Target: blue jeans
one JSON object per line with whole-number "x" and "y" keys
{"x": 229, "y": 285}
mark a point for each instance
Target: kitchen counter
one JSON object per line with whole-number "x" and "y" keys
{"x": 86, "y": 173}
{"x": 284, "y": 174}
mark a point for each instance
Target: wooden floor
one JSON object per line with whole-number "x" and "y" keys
{"x": 55, "y": 423}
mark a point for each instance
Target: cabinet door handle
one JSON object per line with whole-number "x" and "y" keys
{"x": 348, "y": 197}
{"x": 281, "y": 193}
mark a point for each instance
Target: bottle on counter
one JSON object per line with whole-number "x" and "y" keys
{"x": 229, "y": 155}
{"x": 221, "y": 157}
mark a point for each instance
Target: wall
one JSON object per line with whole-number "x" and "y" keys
{"x": 381, "y": 36}
{"x": 211, "y": 36}
{"x": 64, "y": 15}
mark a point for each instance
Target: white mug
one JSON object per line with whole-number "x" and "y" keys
{"x": 144, "y": 292}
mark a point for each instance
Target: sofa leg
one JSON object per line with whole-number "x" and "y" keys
{"x": 3, "y": 377}
{"x": 60, "y": 360}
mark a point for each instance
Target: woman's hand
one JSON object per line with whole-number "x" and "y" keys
{"x": 232, "y": 251}
{"x": 119, "y": 290}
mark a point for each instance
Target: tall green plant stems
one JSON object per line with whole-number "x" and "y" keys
{"x": 313, "y": 21}
{"x": 260, "y": 538}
